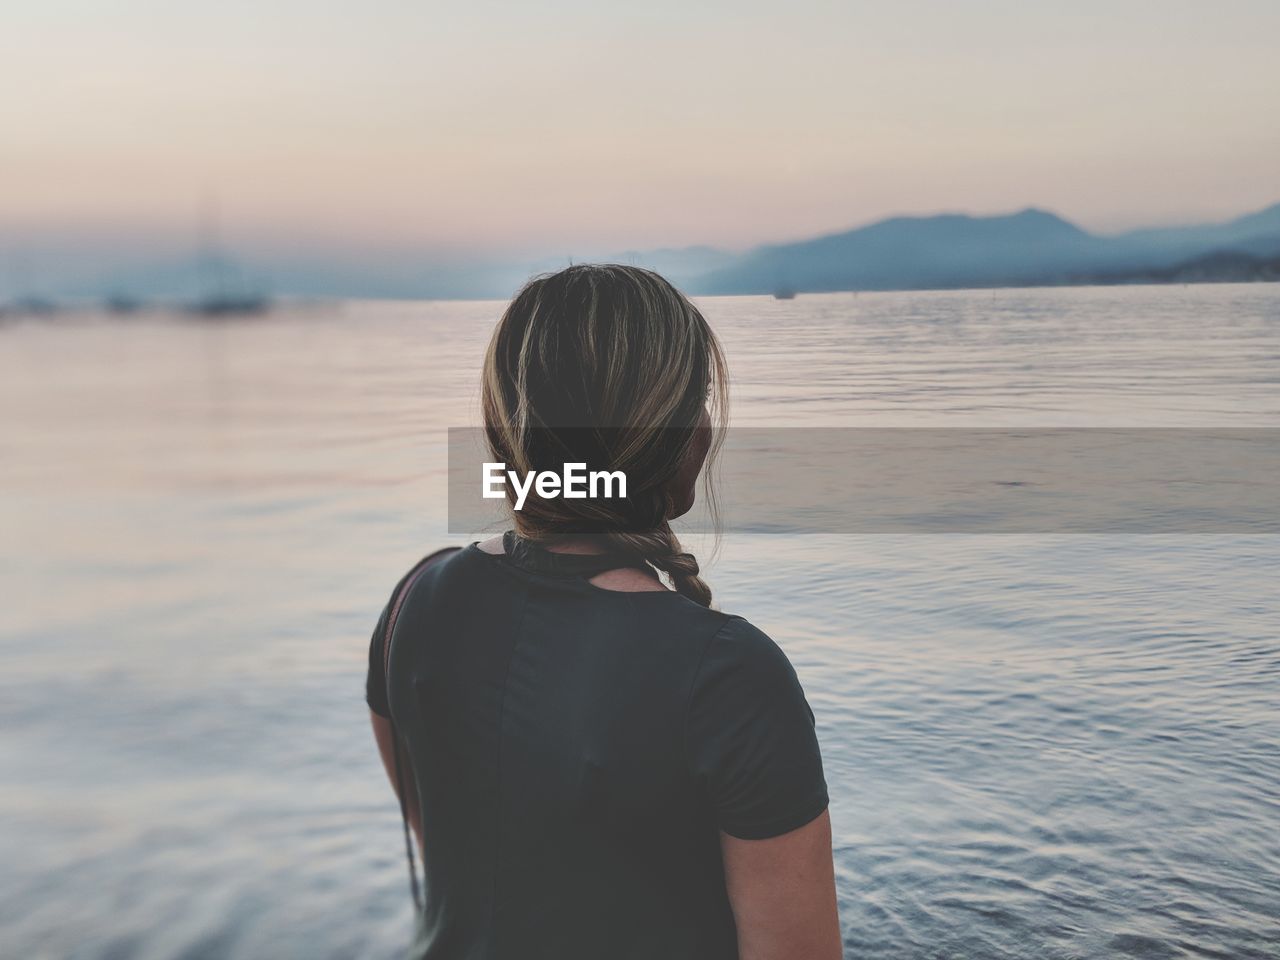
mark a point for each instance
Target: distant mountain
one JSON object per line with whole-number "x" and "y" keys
{"x": 1256, "y": 233}
{"x": 1222, "y": 266}
{"x": 956, "y": 250}
{"x": 1031, "y": 247}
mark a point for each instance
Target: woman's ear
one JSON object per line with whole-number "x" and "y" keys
{"x": 682, "y": 491}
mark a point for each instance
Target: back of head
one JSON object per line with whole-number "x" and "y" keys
{"x": 610, "y": 366}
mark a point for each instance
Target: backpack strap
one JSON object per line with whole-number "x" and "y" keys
{"x": 406, "y": 586}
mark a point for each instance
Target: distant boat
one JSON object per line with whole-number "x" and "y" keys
{"x": 223, "y": 304}
{"x": 784, "y": 293}
{"x": 31, "y": 306}
{"x": 226, "y": 292}
{"x": 121, "y": 303}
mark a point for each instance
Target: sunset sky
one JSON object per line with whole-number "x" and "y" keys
{"x": 485, "y": 127}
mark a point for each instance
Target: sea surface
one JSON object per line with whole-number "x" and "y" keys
{"x": 1038, "y": 746}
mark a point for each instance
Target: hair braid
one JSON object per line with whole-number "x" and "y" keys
{"x": 661, "y": 549}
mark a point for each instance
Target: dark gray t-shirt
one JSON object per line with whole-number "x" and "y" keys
{"x": 577, "y": 751}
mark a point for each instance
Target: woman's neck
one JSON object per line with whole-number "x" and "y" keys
{"x": 580, "y": 545}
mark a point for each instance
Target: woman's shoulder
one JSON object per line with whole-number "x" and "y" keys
{"x": 740, "y": 646}
{"x": 432, "y": 562}
{"x": 436, "y": 566}
{"x": 380, "y": 641}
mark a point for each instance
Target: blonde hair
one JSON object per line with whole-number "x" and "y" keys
{"x": 613, "y": 365}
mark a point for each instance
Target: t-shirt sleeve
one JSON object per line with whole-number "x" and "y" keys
{"x": 751, "y": 737}
{"x": 375, "y": 684}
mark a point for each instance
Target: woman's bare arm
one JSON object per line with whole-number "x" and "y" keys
{"x": 783, "y": 893}
{"x": 387, "y": 750}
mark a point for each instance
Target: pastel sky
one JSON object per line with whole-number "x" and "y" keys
{"x": 490, "y": 126}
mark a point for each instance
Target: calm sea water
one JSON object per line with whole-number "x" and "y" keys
{"x": 1038, "y": 746}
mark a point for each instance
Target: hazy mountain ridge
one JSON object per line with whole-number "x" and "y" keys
{"x": 1030, "y": 247}
{"x": 1222, "y": 266}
